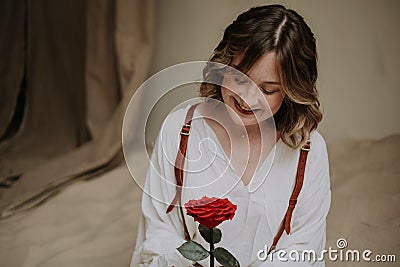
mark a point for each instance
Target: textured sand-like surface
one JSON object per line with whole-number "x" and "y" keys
{"x": 91, "y": 223}
{"x": 365, "y": 209}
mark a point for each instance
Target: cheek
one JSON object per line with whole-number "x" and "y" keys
{"x": 225, "y": 93}
{"x": 275, "y": 102}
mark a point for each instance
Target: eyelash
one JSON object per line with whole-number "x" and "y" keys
{"x": 267, "y": 92}
{"x": 264, "y": 91}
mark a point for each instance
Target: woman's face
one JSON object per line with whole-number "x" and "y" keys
{"x": 249, "y": 102}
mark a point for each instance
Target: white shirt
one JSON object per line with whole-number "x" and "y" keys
{"x": 261, "y": 204}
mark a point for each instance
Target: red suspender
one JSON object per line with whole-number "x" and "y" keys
{"x": 285, "y": 224}
{"x": 178, "y": 169}
{"x": 179, "y": 164}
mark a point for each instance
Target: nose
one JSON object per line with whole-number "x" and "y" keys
{"x": 250, "y": 95}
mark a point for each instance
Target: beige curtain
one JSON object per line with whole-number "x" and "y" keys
{"x": 67, "y": 72}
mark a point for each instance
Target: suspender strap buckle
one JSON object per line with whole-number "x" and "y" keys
{"x": 307, "y": 146}
{"x": 185, "y": 129}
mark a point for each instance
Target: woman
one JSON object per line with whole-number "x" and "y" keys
{"x": 244, "y": 144}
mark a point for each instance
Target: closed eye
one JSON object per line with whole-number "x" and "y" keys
{"x": 268, "y": 91}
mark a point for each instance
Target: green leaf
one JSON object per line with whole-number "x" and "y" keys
{"x": 205, "y": 233}
{"x": 193, "y": 251}
{"x": 225, "y": 258}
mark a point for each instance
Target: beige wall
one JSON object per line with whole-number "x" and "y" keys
{"x": 359, "y": 62}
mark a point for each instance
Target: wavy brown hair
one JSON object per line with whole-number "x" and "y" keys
{"x": 274, "y": 28}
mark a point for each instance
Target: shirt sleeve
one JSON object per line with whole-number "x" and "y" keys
{"x": 159, "y": 233}
{"x": 308, "y": 225}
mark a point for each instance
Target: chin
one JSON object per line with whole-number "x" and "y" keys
{"x": 248, "y": 121}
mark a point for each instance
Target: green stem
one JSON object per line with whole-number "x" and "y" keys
{"x": 211, "y": 247}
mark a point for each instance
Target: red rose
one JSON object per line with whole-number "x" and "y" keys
{"x": 210, "y": 212}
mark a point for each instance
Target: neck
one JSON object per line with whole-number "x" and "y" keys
{"x": 264, "y": 129}
{"x": 260, "y": 131}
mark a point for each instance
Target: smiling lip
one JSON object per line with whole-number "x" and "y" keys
{"x": 243, "y": 111}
